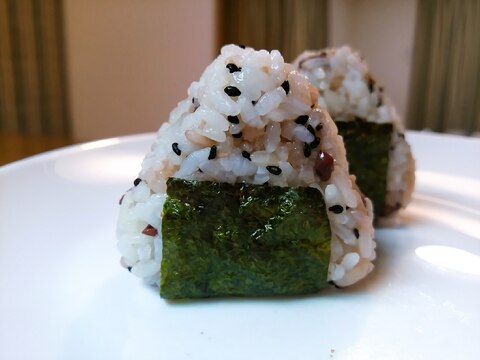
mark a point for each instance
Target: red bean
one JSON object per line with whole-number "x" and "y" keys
{"x": 149, "y": 231}
{"x": 324, "y": 166}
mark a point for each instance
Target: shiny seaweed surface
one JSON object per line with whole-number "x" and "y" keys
{"x": 224, "y": 239}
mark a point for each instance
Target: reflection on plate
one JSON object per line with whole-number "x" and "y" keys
{"x": 63, "y": 294}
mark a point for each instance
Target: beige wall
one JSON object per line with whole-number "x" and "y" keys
{"x": 383, "y": 31}
{"x": 130, "y": 62}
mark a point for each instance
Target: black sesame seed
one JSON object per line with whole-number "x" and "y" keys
{"x": 371, "y": 83}
{"x": 137, "y": 181}
{"x": 356, "y": 233}
{"x": 315, "y": 143}
{"x": 121, "y": 200}
{"x": 311, "y": 129}
{"x": 254, "y": 102}
{"x": 233, "y": 68}
{"x": 307, "y": 150}
{"x": 176, "y": 149}
{"x": 237, "y": 135}
{"x": 333, "y": 284}
{"x": 286, "y": 86}
{"x": 196, "y": 104}
{"x": 213, "y": 152}
{"x": 302, "y": 119}
{"x": 275, "y": 170}
{"x": 233, "y": 119}
{"x": 319, "y": 127}
{"x": 246, "y": 155}
{"x": 232, "y": 91}
{"x": 337, "y": 209}
{"x": 241, "y": 46}
{"x": 129, "y": 268}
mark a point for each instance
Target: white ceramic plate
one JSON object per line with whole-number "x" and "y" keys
{"x": 63, "y": 294}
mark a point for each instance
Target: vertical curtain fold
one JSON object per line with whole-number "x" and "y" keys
{"x": 445, "y": 84}
{"x": 290, "y": 26}
{"x": 8, "y": 109}
{"x": 33, "y": 98}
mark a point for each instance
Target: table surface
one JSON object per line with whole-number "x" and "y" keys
{"x": 14, "y": 147}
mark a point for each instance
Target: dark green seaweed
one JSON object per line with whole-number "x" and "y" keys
{"x": 221, "y": 239}
{"x": 368, "y": 146}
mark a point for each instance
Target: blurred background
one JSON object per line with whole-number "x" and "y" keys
{"x": 79, "y": 70}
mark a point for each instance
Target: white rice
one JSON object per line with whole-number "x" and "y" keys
{"x": 348, "y": 91}
{"x": 271, "y": 137}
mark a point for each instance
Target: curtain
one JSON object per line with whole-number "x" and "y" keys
{"x": 290, "y": 26}
{"x": 445, "y": 83}
{"x": 33, "y": 98}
